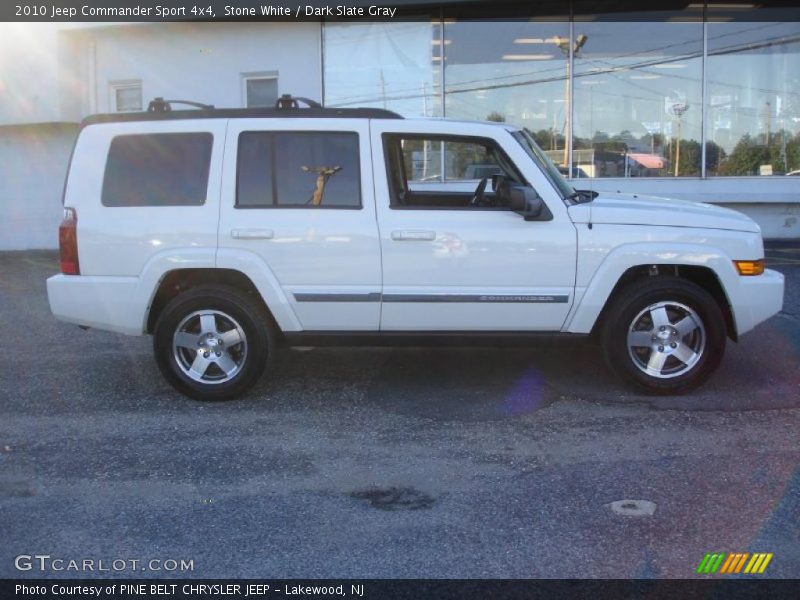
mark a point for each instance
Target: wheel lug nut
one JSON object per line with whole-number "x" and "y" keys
{"x": 219, "y": 353}
{"x": 674, "y": 345}
{"x": 661, "y": 348}
{"x": 205, "y": 354}
{"x": 662, "y": 328}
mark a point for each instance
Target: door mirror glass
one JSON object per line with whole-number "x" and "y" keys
{"x": 526, "y": 202}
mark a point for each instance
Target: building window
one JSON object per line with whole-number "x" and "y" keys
{"x": 298, "y": 170}
{"x": 161, "y": 169}
{"x": 126, "y": 96}
{"x": 260, "y": 89}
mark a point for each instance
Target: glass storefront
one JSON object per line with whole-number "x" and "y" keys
{"x": 384, "y": 65}
{"x": 753, "y": 91}
{"x": 638, "y": 99}
{"x": 695, "y": 93}
{"x": 509, "y": 71}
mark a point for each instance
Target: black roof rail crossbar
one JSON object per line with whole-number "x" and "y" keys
{"x": 159, "y": 105}
{"x": 289, "y": 101}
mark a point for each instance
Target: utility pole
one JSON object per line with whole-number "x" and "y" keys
{"x": 383, "y": 89}
{"x": 569, "y": 53}
{"x": 678, "y": 109}
{"x": 768, "y": 122}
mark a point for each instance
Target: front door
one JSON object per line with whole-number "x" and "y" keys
{"x": 455, "y": 257}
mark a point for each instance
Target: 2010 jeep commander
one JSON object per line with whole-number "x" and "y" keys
{"x": 223, "y": 232}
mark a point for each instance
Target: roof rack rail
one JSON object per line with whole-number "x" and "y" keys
{"x": 287, "y": 106}
{"x": 159, "y": 105}
{"x": 289, "y": 101}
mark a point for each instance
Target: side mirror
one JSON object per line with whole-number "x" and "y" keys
{"x": 526, "y": 202}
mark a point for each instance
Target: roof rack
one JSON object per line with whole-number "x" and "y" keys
{"x": 287, "y": 106}
{"x": 160, "y": 105}
{"x": 289, "y": 101}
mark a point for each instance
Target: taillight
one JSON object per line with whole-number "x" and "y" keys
{"x": 68, "y": 242}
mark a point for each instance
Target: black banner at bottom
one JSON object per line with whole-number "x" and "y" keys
{"x": 382, "y": 589}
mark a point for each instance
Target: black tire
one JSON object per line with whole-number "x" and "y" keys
{"x": 225, "y": 371}
{"x": 688, "y": 360}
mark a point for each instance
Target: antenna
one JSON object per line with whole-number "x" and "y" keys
{"x": 591, "y": 129}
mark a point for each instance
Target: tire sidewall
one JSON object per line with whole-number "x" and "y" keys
{"x": 632, "y": 302}
{"x": 233, "y": 303}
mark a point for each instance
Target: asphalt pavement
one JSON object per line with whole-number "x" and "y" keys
{"x": 401, "y": 463}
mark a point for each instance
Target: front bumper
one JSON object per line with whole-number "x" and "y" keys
{"x": 760, "y": 297}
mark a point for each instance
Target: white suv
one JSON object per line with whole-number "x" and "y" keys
{"x": 226, "y": 232}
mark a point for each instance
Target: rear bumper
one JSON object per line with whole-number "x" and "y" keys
{"x": 759, "y": 298}
{"x": 109, "y": 303}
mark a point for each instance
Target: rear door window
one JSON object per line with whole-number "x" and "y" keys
{"x": 309, "y": 169}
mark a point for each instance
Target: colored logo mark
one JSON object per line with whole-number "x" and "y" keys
{"x": 734, "y": 562}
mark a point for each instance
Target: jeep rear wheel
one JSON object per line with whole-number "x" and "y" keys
{"x": 212, "y": 342}
{"x": 664, "y": 335}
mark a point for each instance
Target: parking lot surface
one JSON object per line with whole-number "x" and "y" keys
{"x": 437, "y": 462}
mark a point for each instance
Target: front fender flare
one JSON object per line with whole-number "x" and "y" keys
{"x": 586, "y": 312}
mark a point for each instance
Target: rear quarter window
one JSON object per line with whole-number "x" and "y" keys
{"x": 157, "y": 169}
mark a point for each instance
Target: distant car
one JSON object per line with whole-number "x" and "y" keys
{"x": 577, "y": 172}
{"x": 795, "y": 172}
{"x": 481, "y": 171}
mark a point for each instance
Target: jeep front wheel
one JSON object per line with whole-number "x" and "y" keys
{"x": 212, "y": 342}
{"x": 664, "y": 335}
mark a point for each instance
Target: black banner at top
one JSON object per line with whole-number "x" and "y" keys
{"x": 380, "y": 10}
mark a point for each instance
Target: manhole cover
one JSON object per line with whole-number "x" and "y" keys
{"x": 394, "y": 498}
{"x": 633, "y": 508}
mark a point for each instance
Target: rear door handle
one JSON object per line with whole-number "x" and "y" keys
{"x": 413, "y": 236}
{"x": 252, "y": 234}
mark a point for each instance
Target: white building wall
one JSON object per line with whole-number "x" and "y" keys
{"x": 33, "y": 162}
{"x": 203, "y": 62}
{"x": 28, "y": 73}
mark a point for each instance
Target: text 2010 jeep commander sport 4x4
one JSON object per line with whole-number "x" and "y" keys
{"x": 225, "y": 232}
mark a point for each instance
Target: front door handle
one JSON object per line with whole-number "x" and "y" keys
{"x": 252, "y": 234}
{"x": 413, "y": 236}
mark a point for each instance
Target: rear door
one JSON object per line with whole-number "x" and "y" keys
{"x": 298, "y": 193}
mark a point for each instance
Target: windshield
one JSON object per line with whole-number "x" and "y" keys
{"x": 544, "y": 163}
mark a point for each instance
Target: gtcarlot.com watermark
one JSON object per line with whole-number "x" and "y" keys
{"x": 48, "y": 563}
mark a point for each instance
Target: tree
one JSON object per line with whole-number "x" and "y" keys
{"x": 496, "y": 117}
{"x": 749, "y": 154}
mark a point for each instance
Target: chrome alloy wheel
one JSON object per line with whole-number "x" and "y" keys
{"x": 209, "y": 346}
{"x": 666, "y": 339}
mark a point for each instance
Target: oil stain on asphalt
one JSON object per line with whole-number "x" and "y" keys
{"x": 395, "y": 498}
